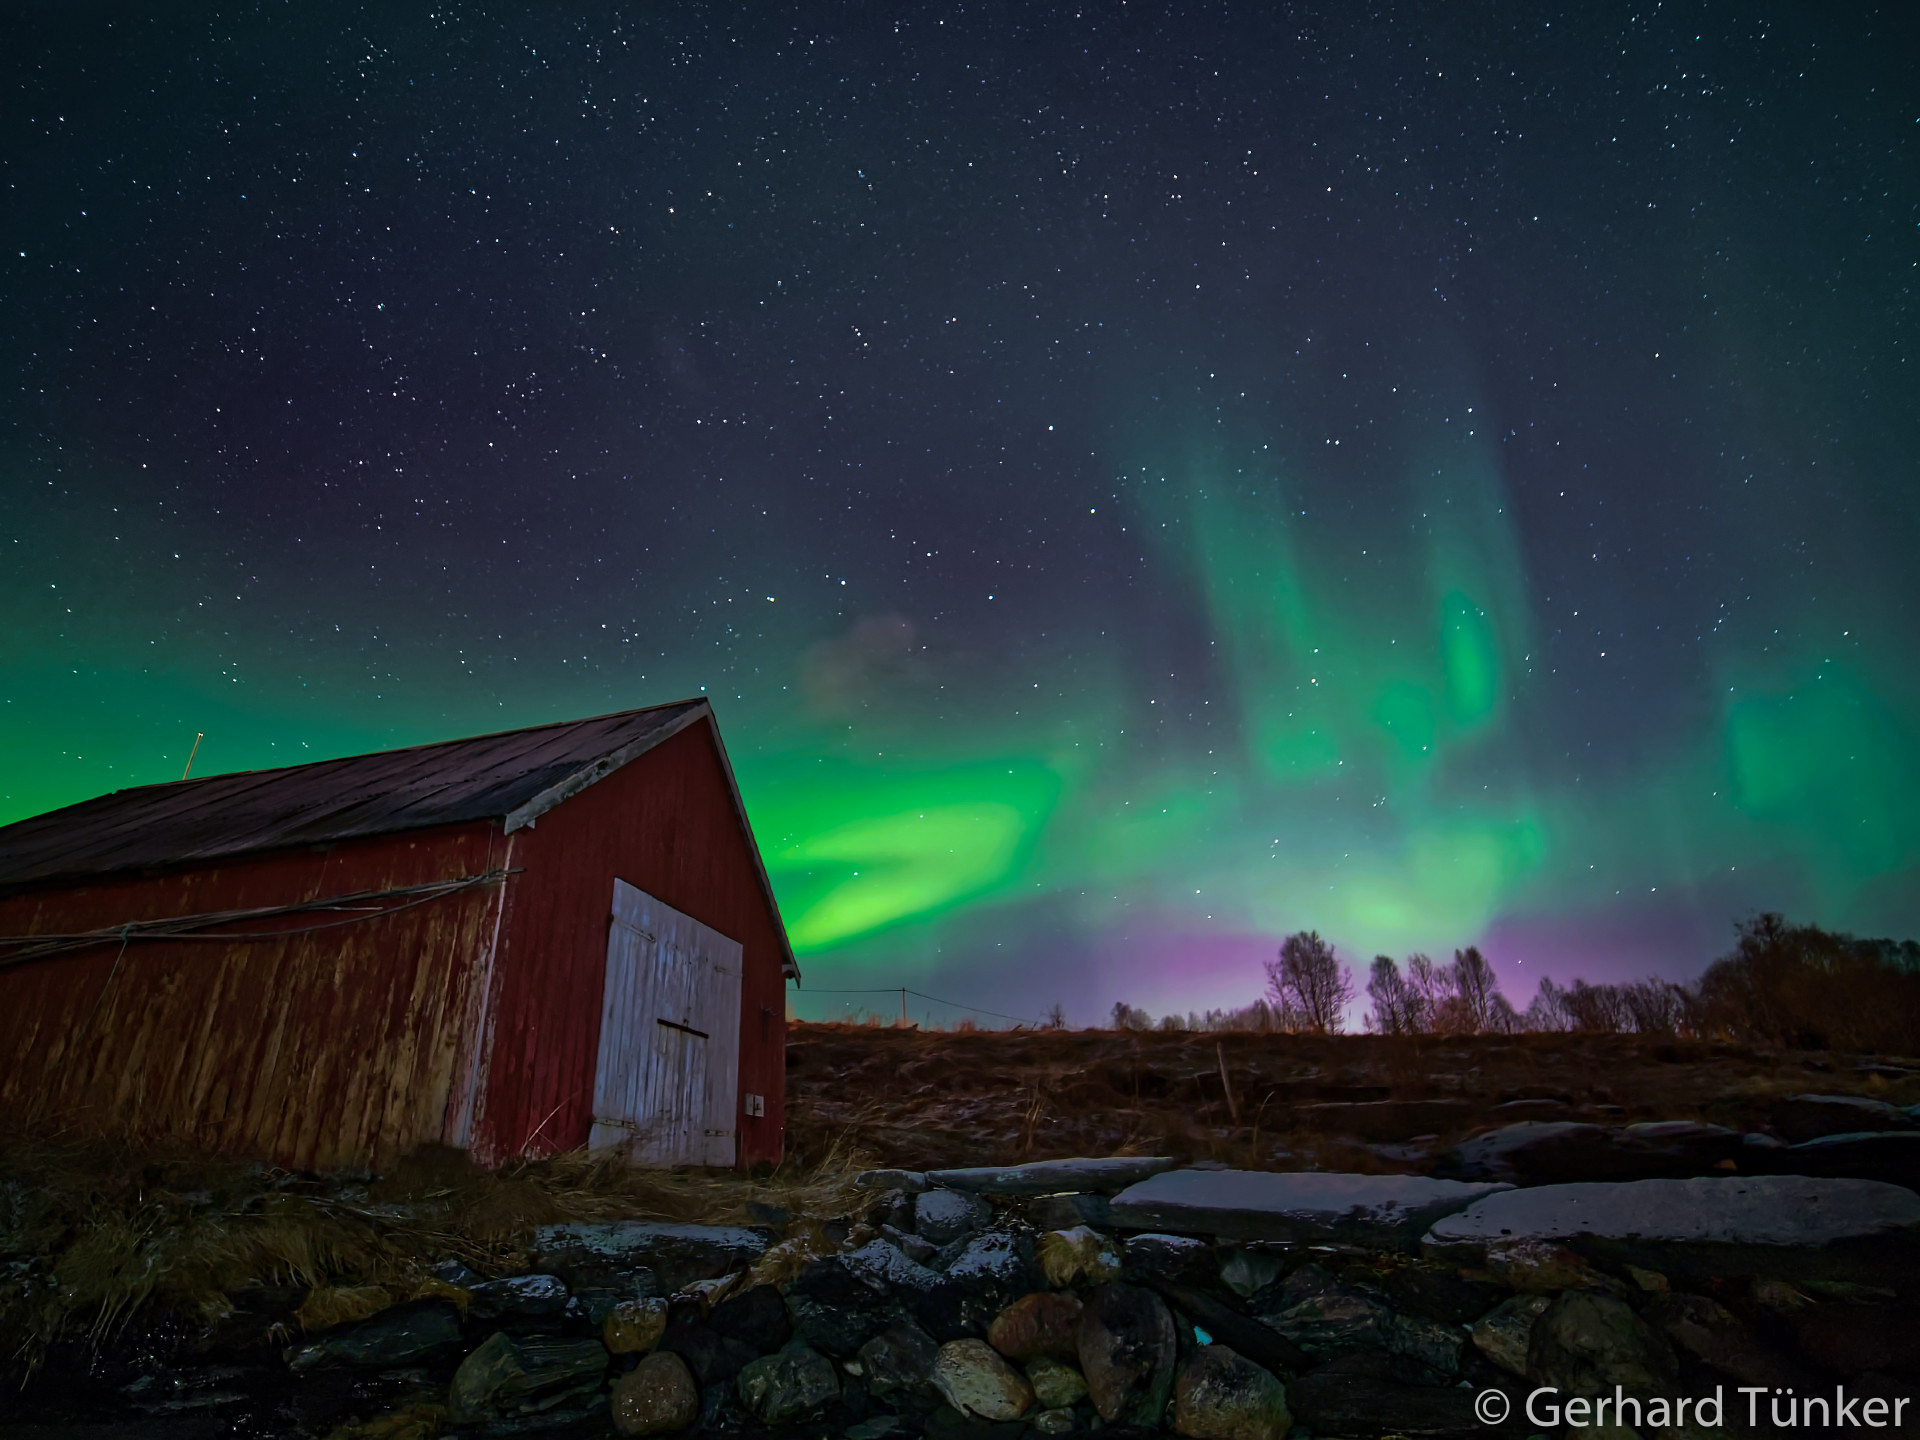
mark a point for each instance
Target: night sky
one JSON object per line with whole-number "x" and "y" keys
{"x": 1134, "y": 481}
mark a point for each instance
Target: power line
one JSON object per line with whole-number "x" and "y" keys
{"x": 922, "y": 995}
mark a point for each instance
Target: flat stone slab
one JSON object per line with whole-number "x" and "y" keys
{"x": 1054, "y": 1177}
{"x": 1807, "y": 1117}
{"x": 678, "y": 1254}
{"x": 1558, "y": 1152}
{"x": 1778, "y": 1225}
{"x": 1379, "y": 1211}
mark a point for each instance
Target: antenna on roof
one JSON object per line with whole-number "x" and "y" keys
{"x": 198, "y": 736}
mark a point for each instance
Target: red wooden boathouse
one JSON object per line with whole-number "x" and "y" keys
{"x": 513, "y": 944}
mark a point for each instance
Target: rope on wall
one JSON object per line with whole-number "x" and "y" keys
{"x": 367, "y": 905}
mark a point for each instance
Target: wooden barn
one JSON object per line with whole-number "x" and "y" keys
{"x": 512, "y": 944}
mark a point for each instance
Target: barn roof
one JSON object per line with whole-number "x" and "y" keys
{"x": 514, "y": 776}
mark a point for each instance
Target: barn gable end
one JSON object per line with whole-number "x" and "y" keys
{"x": 349, "y": 1034}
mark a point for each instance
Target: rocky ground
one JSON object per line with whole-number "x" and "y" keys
{"x": 1272, "y": 1237}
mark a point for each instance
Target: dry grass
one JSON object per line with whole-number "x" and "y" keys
{"x": 114, "y": 1228}
{"x": 927, "y": 1099}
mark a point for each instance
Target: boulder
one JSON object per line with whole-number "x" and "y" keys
{"x": 835, "y": 1312}
{"x": 507, "y": 1377}
{"x": 1439, "y": 1292}
{"x": 1532, "y": 1152}
{"x": 1892, "y": 1156}
{"x": 1543, "y": 1152}
{"x": 520, "y": 1297}
{"x": 1080, "y": 1256}
{"x": 1587, "y": 1344}
{"x": 881, "y": 1265}
{"x": 1331, "y": 1403}
{"x": 941, "y": 1215}
{"x": 712, "y": 1357}
{"x": 1782, "y": 1226}
{"x": 1054, "y": 1177}
{"x": 1041, "y": 1323}
{"x": 921, "y": 1252}
{"x": 1245, "y": 1271}
{"x": 998, "y": 1257}
{"x": 1540, "y": 1267}
{"x": 1222, "y": 1396}
{"x": 1808, "y": 1117}
{"x": 1063, "y": 1212}
{"x": 1179, "y": 1259}
{"x": 1385, "y": 1212}
{"x": 1505, "y": 1332}
{"x": 1713, "y": 1335}
{"x": 633, "y": 1327}
{"x": 784, "y": 1386}
{"x": 1127, "y": 1348}
{"x": 1056, "y": 1386}
{"x": 990, "y": 1271}
{"x": 1259, "y": 1342}
{"x": 899, "y": 1361}
{"x": 656, "y": 1397}
{"x": 1384, "y": 1120}
{"x": 1340, "y": 1319}
{"x": 678, "y": 1254}
{"x": 972, "y": 1377}
{"x": 411, "y": 1334}
{"x": 593, "y": 1303}
{"x": 1850, "y": 1340}
{"x": 756, "y": 1318}
{"x": 1055, "y": 1422}
{"x": 1676, "y": 1149}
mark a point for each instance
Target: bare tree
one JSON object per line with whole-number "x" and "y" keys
{"x": 1476, "y": 992}
{"x": 1655, "y": 1007}
{"x": 1599, "y": 1009}
{"x": 1431, "y": 987}
{"x": 1311, "y": 987}
{"x": 1547, "y": 1011}
{"x": 1398, "y": 1008}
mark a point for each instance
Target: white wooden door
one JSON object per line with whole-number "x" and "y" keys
{"x": 668, "y": 1076}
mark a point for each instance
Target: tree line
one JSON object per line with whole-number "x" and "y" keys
{"x": 1781, "y": 984}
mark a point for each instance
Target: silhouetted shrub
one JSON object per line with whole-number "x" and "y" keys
{"x": 1814, "y": 989}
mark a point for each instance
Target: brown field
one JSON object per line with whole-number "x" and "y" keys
{"x": 924, "y": 1099}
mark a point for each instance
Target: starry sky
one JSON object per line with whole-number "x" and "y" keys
{"x": 1135, "y": 481}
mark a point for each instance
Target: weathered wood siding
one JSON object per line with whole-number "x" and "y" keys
{"x": 340, "y": 1046}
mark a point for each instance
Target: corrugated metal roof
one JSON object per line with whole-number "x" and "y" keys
{"x": 514, "y": 776}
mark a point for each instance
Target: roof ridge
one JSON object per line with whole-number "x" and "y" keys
{"x": 272, "y": 770}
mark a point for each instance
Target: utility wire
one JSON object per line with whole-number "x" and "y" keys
{"x": 920, "y": 994}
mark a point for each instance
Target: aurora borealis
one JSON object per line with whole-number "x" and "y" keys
{"x": 1134, "y": 482}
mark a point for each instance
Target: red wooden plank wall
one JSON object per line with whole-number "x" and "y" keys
{"x": 339, "y": 1047}
{"x": 665, "y": 823}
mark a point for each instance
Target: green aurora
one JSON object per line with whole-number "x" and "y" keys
{"x": 1132, "y": 487}
{"x": 1365, "y": 771}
